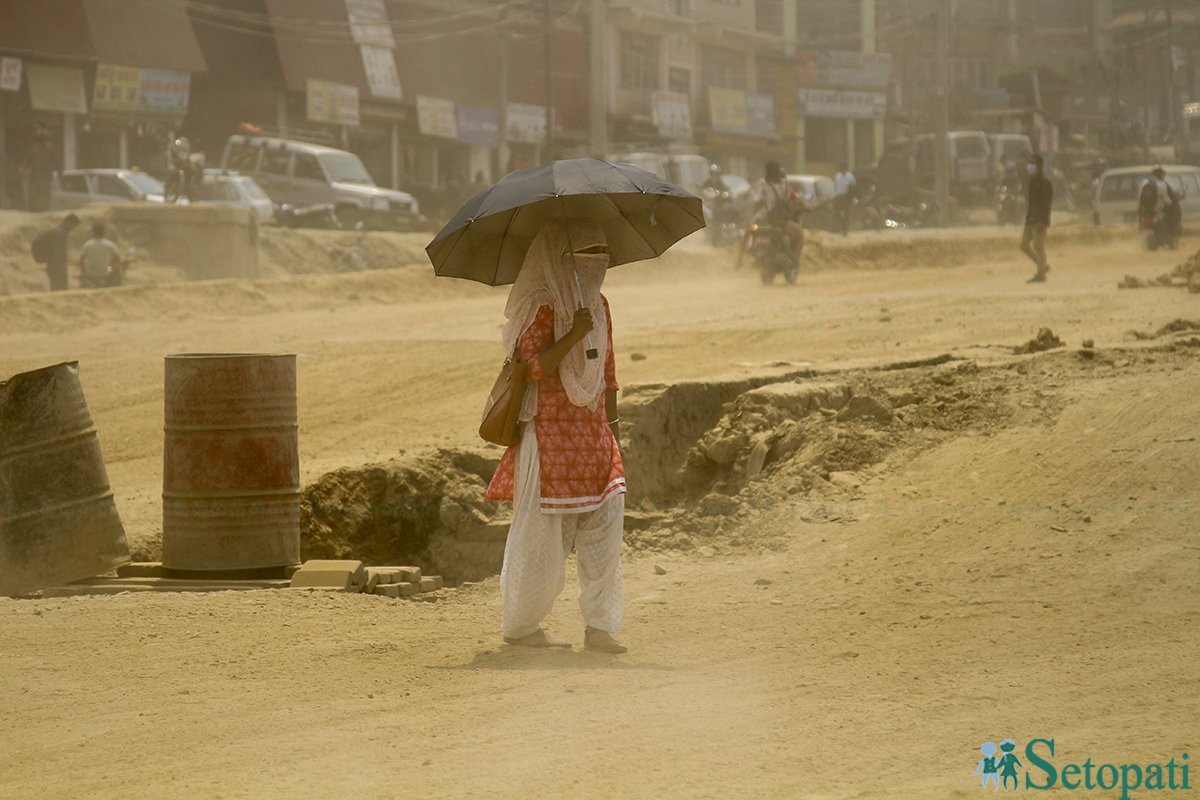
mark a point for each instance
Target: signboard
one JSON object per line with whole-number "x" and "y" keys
{"x": 526, "y": 123}
{"x": 436, "y": 117}
{"x": 478, "y": 126}
{"x": 747, "y": 113}
{"x": 10, "y": 74}
{"x": 56, "y": 89}
{"x": 380, "y": 66}
{"x": 672, "y": 115}
{"x": 847, "y": 69}
{"x": 760, "y": 113}
{"x": 164, "y": 91}
{"x": 727, "y": 110}
{"x": 833, "y": 104}
{"x": 136, "y": 89}
{"x": 335, "y": 103}
{"x": 369, "y": 23}
{"x": 116, "y": 88}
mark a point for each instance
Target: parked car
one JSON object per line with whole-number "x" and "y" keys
{"x": 818, "y": 192}
{"x": 75, "y": 188}
{"x": 303, "y": 175}
{"x": 1115, "y": 199}
{"x": 235, "y": 189}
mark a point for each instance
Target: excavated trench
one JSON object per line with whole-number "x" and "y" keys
{"x": 703, "y": 457}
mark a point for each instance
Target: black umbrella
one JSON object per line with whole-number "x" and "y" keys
{"x": 641, "y": 213}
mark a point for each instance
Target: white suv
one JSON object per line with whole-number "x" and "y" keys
{"x": 301, "y": 175}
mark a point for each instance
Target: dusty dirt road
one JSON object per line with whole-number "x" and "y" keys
{"x": 1029, "y": 573}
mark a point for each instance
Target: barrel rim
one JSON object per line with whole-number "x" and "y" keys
{"x": 229, "y": 355}
{"x": 46, "y": 368}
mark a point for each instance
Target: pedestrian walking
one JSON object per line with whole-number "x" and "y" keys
{"x": 565, "y": 477}
{"x": 553, "y": 231}
{"x": 845, "y": 187}
{"x": 1039, "y": 197}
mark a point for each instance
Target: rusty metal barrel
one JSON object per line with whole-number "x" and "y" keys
{"x": 58, "y": 521}
{"x": 231, "y": 462}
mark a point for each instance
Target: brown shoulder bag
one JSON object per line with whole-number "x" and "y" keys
{"x": 500, "y": 424}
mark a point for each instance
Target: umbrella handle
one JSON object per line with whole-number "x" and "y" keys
{"x": 591, "y": 352}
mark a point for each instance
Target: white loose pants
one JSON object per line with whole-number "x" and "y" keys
{"x": 535, "y": 555}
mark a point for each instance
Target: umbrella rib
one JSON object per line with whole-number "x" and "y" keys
{"x": 629, "y": 222}
{"x": 504, "y": 238}
{"x": 453, "y": 247}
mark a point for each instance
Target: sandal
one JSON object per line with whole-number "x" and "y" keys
{"x": 536, "y": 639}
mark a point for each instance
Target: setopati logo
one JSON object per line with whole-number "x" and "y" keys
{"x": 1038, "y": 769}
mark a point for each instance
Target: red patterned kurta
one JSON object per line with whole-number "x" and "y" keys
{"x": 579, "y": 459}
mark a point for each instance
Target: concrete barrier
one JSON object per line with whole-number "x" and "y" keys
{"x": 207, "y": 241}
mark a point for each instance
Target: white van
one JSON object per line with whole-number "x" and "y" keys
{"x": 1115, "y": 195}
{"x": 970, "y": 166}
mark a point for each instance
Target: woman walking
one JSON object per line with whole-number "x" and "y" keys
{"x": 565, "y": 476}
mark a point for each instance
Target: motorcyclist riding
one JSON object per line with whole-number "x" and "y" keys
{"x": 723, "y": 223}
{"x": 776, "y": 206}
{"x": 185, "y": 169}
{"x": 1159, "y": 211}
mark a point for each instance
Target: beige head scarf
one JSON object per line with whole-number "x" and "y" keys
{"x": 547, "y": 277}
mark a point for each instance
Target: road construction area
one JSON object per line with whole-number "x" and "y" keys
{"x": 907, "y": 506}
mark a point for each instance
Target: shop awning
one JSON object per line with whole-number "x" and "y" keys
{"x": 131, "y": 33}
{"x": 316, "y": 41}
{"x": 141, "y": 34}
{"x": 26, "y": 29}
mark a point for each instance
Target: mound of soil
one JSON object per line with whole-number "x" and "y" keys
{"x": 1045, "y": 340}
{"x": 425, "y": 509}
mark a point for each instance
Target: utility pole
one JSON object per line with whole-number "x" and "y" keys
{"x": 1171, "y": 115}
{"x": 1146, "y": 85}
{"x": 598, "y": 51}
{"x": 549, "y": 66}
{"x": 502, "y": 154}
{"x": 941, "y": 165}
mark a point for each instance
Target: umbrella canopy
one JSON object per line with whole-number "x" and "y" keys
{"x": 641, "y": 213}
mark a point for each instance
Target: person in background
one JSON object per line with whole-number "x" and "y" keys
{"x": 1040, "y": 196}
{"x": 565, "y": 476}
{"x": 56, "y": 252}
{"x": 99, "y": 260}
{"x": 38, "y": 169}
{"x": 845, "y": 186}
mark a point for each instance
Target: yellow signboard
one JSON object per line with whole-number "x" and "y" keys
{"x": 727, "y": 110}
{"x": 116, "y": 88}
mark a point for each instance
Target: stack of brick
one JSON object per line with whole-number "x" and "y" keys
{"x": 352, "y": 576}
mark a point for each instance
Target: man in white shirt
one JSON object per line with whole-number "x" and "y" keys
{"x": 99, "y": 260}
{"x": 844, "y": 187}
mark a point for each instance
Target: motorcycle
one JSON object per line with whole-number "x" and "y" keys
{"x": 896, "y": 216}
{"x": 721, "y": 213}
{"x": 1157, "y": 231}
{"x": 773, "y": 255}
{"x": 185, "y": 172}
{"x": 1009, "y": 202}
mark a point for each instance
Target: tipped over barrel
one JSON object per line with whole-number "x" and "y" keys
{"x": 231, "y": 462}
{"x": 58, "y": 521}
